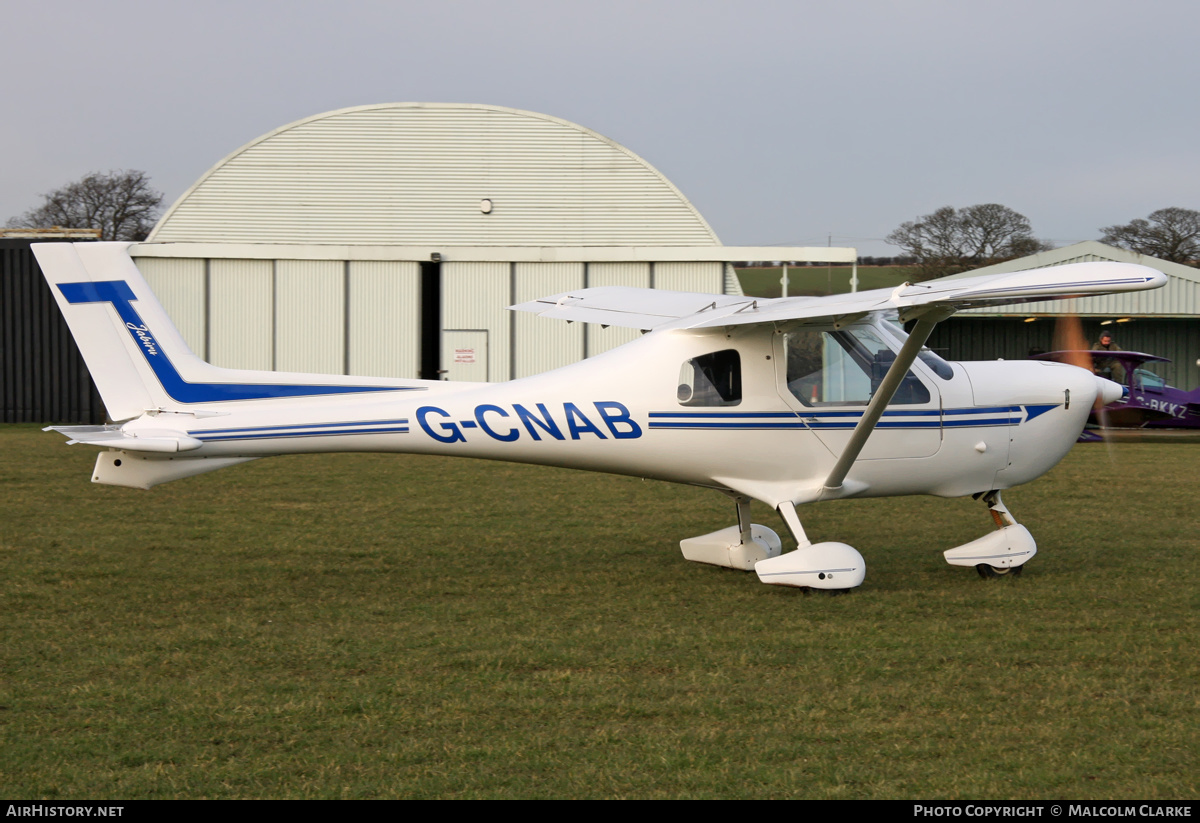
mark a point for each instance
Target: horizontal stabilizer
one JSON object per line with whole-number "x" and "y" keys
{"x": 161, "y": 442}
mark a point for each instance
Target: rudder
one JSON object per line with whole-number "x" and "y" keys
{"x": 96, "y": 285}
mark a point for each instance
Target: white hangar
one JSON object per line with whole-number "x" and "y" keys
{"x": 389, "y": 240}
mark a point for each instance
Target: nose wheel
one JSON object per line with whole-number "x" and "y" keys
{"x": 991, "y": 572}
{"x": 1003, "y": 552}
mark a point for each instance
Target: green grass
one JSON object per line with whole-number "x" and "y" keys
{"x": 380, "y": 626}
{"x": 819, "y": 280}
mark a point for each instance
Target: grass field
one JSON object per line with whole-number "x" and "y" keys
{"x": 818, "y": 280}
{"x": 372, "y": 626}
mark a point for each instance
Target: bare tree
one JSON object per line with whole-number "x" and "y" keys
{"x": 120, "y": 204}
{"x": 1169, "y": 234}
{"x": 952, "y": 240}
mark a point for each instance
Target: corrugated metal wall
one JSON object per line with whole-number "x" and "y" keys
{"x": 42, "y": 375}
{"x": 701, "y": 277}
{"x": 310, "y": 316}
{"x": 241, "y": 311}
{"x": 385, "y": 318}
{"x": 182, "y": 288}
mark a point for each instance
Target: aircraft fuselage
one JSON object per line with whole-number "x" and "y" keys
{"x": 773, "y": 435}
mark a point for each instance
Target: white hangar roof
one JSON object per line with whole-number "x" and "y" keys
{"x": 420, "y": 174}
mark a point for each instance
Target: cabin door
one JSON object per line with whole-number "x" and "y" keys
{"x": 828, "y": 376}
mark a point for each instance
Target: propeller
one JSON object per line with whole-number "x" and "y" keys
{"x": 1069, "y": 337}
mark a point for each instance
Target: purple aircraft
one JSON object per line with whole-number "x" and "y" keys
{"x": 1148, "y": 402}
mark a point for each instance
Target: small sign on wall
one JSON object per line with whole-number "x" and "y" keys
{"x": 465, "y": 354}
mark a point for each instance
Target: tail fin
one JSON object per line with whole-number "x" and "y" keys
{"x": 83, "y": 280}
{"x": 137, "y": 357}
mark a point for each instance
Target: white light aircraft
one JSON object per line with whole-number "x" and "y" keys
{"x": 787, "y": 401}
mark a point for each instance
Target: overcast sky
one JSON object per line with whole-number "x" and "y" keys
{"x": 783, "y": 122}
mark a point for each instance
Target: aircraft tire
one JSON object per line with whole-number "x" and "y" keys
{"x": 990, "y": 572}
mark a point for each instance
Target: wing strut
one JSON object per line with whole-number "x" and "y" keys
{"x": 883, "y": 396}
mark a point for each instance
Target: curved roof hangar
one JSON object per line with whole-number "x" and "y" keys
{"x": 421, "y": 173}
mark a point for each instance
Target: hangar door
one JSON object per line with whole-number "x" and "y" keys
{"x": 316, "y": 316}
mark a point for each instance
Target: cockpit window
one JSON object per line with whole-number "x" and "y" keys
{"x": 711, "y": 380}
{"x": 934, "y": 362}
{"x": 843, "y": 368}
{"x": 1147, "y": 380}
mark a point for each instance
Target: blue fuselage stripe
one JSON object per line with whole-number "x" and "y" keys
{"x": 729, "y": 425}
{"x": 847, "y": 420}
{"x": 725, "y": 415}
{"x": 282, "y": 435}
{"x": 299, "y": 426}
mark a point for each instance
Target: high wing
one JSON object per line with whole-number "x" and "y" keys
{"x": 651, "y": 309}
